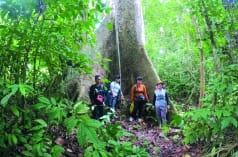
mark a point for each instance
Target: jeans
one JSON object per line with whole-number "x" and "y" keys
{"x": 113, "y": 102}
{"x": 161, "y": 112}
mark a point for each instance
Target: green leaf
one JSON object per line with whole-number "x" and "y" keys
{"x": 57, "y": 151}
{"x": 218, "y": 113}
{"x": 86, "y": 134}
{"x": 14, "y": 139}
{"x": 42, "y": 122}
{"x": 103, "y": 153}
{"x": 5, "y": 99}
{"x": 38, "y": 127}
{"x": 53, "y": 101}
{"x": 95, "y": 154}
{"x": 44, "y": 100}
{"x": 27, "y": 153}
{"x": 92, "y": 123}
{"x": 14, "y": 110}
{"x": 88, "y": 151}
{"x": 70, "y": 123}
{"x": 14, "y": 88}
{"x": 227, "y": 121}
{"x": 81, "y": 108}
{"x": 22, "y": 89}
{"x": 40, "y": 106}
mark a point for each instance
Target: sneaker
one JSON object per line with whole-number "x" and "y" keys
{"x": 140, "y": 120}
{"x": 113, "y": 110}
{"x": 130, "y": 119}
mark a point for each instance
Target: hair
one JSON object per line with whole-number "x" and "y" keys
{"x": 97, "y": 76}
{"x": 139, "y": 78}
{"x": 117, "y": 77}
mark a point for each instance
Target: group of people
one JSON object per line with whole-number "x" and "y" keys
{"x": 99, "y": 94}
{"x": 139, "y": 98}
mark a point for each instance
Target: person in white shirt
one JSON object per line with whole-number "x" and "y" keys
{"x": 116, "y": 92}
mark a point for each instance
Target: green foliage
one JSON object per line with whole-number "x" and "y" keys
{"x": 171, "y": 45}
{"x": 216, "y": 123}
{"x": 113, "y": 134}
{"x": 21, "y": 127}
{"x": 38, "y": 39}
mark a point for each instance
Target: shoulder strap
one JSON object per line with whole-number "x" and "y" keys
{"x": 135, "y": 87}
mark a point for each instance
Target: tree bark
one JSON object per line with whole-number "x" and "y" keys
{"x": 134, "y": 58}
{"x": 128, "y": 55}
{"x": 202, "y": 69}
{"x": 214, "y": 47}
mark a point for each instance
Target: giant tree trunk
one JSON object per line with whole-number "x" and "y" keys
{"x": 129, "y": 29}
{"x": 127, "y": 53}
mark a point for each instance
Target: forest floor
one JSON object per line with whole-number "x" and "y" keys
{"x": 160, "y": 142}
{"x": 165, "y": 142}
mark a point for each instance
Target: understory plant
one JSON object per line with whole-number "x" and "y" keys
{"x": 216, "y": 123}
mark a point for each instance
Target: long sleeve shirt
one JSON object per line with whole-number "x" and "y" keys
{"x": 161, "y": 97}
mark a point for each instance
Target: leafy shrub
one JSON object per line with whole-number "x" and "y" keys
{"x": 216, "y": 123}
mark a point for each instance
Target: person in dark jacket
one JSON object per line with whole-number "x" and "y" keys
{"x": 96, "y": 95}
{"x": 161, "y": 102}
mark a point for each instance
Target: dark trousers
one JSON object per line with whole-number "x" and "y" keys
{"x": 139, "y": 108}
{"x": 98, "y": 112}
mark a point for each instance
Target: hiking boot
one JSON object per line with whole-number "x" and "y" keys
{"x": 159, "y": 124}
{"x": 164, "y": 122}
{"x": 131, "y": 119}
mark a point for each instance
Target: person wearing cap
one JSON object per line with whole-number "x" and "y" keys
{"x": 96, "y": 95}
{"x": 115, "y": 91}
{"x": 139, "y": 97}
{"x": 160, "y": 101}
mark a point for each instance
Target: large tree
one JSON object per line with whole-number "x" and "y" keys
{"x": 124, "y": 44}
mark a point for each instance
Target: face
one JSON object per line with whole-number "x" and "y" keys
{"x": 118, "y": 80}
{"x": 159, "y": 86}
{"x": 98, "y": 80}
{"x": 138, "y": 81}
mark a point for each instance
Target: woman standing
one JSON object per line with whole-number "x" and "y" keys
{"x": 139, "y": 97}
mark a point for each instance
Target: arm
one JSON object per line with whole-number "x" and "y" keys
{"x": 146, "y": 95}
{"x": 122, "y": 96}
{"x": 91, "y": 94}
{"x": 154, "y": 99}
{"x": 111, "y": 88}
{"x": 167, "y": 98}
{"x": 132, "y": 93}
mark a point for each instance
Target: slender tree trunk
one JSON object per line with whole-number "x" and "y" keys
{"x": 212, "y": 39}
{"x": 214, "y": 47}
{"x": 202, "y": 69}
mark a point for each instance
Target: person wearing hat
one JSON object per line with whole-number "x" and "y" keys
{"x": 161, "y": 101}
{"x": 139, "y": 97}
{"x": 115, "y": 91}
